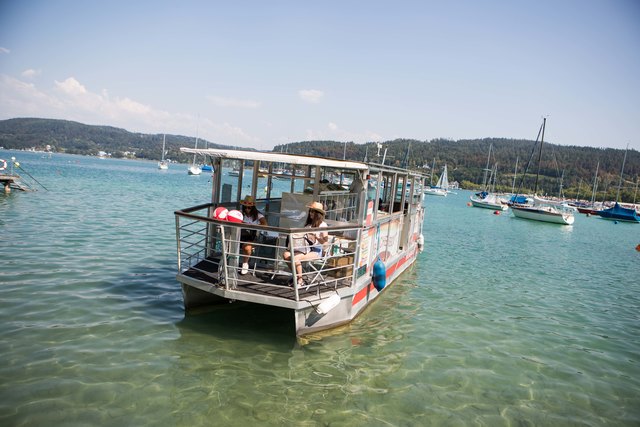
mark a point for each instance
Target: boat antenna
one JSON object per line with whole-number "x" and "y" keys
{"x": 544, "y": 121}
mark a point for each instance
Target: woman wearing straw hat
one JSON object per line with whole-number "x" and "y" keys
{"x": 251, "y": 215}
{"x": 309, "y": 245}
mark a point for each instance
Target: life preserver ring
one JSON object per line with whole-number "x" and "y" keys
{"x": 3, "y": 164}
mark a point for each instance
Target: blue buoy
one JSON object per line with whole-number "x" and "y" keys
{"x": 379, "y": 275}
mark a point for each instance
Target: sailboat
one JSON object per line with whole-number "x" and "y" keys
{"x": 487, "y": 198}
{"x": 591, "y": 208}
{"x": 617, "y": 212}
{"x": 194, "y": 169}
{"x": 539, "y": 211}
{"x": 163, "y": 164}
{"x": 442, "y": 186}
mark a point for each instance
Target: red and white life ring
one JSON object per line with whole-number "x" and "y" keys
{"x": 3, "y": 164}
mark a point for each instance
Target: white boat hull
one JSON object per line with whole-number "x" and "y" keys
{"x": 489, "y": 203}
{"x": 435, "y": 192}
{"x": 194, "y": 170}
{"x": 543, "y": 214}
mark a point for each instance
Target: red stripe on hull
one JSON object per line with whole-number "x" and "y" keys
{"x": 364, "y": 291}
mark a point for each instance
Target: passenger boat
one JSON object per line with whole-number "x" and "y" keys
{"x": 374, "y": 235}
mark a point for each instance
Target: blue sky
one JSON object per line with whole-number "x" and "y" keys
{"x": 260, "y": 73}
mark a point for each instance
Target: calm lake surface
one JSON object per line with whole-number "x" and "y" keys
{"x": 500, "y": 322}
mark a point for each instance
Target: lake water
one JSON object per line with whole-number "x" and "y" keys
{"x": 500, "y": 322}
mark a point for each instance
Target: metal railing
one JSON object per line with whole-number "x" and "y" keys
{"x": 339, "y": 205}
{"x": 212, "y": 250}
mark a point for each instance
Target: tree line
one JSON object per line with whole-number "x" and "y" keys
{"x": 572, "y": 166}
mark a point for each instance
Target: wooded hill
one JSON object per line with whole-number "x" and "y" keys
{"x": 465, "y": 159}
{"x": 76, "y": 138}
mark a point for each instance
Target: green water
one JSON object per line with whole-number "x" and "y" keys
{"x": 501, "y": 321}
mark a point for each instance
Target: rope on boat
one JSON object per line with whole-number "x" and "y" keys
{"x": 30, "y": 176}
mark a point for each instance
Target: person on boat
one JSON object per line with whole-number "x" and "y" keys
{"x": 250, "y": 215}
{"x": 309, "y": 245}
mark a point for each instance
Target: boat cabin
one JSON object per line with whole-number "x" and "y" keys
{"x": 374, "y": 214}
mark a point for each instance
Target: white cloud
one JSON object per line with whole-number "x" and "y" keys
{"x": 71, "y": 100}
{"x": 20, "y": 99}
{"x": 4, "y": 50}
{"x": 71, "y": 87}
{"x": 30, "y": 73}
{"x": 311, "y": 95}
{"x": 129, "y": 106}
{"x": 232, "y": 102}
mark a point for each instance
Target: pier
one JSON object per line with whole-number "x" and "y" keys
{"x": 13, "y": 181}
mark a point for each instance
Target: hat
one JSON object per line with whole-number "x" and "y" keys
{"x": 317, "y": 206}
{"x": 248, "y": 201}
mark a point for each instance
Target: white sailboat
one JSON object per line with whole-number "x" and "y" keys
{"x": 487, "y": 198}
{"x": 194, "y": 169}
{"x": 163, "y": 164}
{"x": 539, "y": 211}
{"x": 442, "y": 186}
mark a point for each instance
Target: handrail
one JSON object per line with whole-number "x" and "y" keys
{"x": 212, "y": 248}
{"x": 185, "y": 213}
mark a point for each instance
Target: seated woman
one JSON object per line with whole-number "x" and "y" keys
{"x": 251, "y": 215}
{"x": 308, "y": 246}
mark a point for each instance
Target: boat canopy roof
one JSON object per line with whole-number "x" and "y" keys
{"x": 276, "y": 157}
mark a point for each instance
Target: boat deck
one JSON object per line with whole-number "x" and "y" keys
{"x": 265, "y": 281}
{"x": 12, "y": 181}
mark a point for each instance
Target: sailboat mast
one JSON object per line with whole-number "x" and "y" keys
{"x": 544, "y": 121}
{"x": 595, "y": 185}
{"x": 486, "y": 169}
{"x": 561, "y": 180}
{"x": 515, "y": 172}
{"x": 621, "y": 172}
{"x": 196, "y": 147}
{"x": 432, "y": 167}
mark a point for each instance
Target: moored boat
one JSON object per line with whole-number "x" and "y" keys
{"x": 620, "y": 213}
{"x": 373, "y": 236}
{"x": 488, "y": 201}
{"x": 163, "y": 164}
{"x": 543, "y": 213}
{"x": 487, "y": 198}
{"x": 617, "y": 212}
{"x": 542, "y": 210}
{"x": 442, "y": 186}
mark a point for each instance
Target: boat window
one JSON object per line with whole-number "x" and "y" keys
{"x": 400, "y": 192}
{"x": 386, "y": 192}
{"x": 371, "y": 191}
{"x": 418, "y": 185}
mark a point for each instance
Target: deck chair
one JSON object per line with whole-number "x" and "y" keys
{"x": 314, "y": 270}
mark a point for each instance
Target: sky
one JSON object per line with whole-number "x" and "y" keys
{"x": 261, "y": 73}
